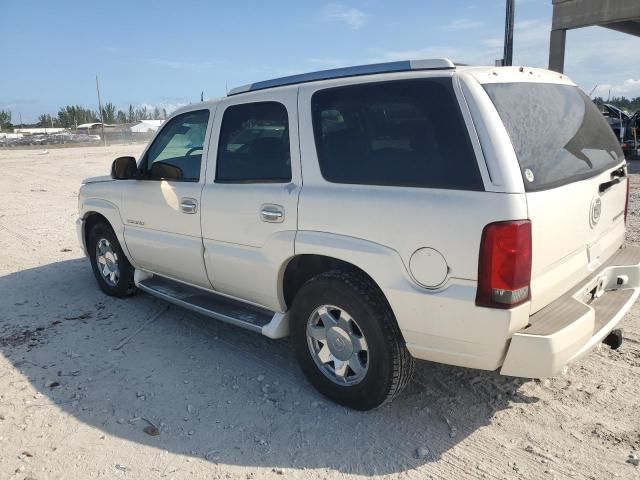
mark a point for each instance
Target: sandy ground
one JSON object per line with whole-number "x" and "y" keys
{"x": 231, "y": 404}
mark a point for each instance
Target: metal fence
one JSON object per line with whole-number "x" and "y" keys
{"x": 76, "y": 137}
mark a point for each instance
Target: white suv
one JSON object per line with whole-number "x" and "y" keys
{"x": 473, "y": 216}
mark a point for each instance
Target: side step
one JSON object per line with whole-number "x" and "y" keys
{"x": 250, "y": 317}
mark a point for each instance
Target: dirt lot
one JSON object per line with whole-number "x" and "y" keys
{"x": 82, "y": 374}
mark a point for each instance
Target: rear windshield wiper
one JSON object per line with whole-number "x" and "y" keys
{"x": 616, "y": 178}
{"x": 619, "y": 173}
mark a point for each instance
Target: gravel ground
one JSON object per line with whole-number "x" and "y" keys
{"x": 96, "y": 387}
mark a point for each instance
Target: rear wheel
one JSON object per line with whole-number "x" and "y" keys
{"x": 347, "y": 340}
{"x": 110, "y": 266}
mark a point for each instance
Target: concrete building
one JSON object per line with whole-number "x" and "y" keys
{"x": 620, "y": 15}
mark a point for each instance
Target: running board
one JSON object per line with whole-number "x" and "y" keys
{"x": 250, "y": 317}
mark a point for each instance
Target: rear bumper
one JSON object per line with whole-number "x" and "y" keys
{"x": 575, "y": 323}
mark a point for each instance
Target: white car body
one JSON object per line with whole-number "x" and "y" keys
{"x": 419, "y": 245}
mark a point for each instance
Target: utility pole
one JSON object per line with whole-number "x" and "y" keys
{"x": 100, "y": 107}
{"x": 508, "y": 34}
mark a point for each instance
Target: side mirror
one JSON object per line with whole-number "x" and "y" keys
{"x": 124, "y": 168}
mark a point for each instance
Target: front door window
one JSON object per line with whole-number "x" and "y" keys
{"x": 176, "y": 153}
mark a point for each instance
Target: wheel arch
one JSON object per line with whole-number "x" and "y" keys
{"x": 318, "y": 252}
{"x": 90, "y": 219}
{"x": 304, "y": 267}
{"x": 98, "y": 210}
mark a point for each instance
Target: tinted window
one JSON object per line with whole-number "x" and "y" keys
{"x": 558, "y": 134}
{"x": 254, "y": 144}
{"x": 176, "y": 153}
{"x": 404, "y": 133}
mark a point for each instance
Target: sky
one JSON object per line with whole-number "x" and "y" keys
{"x": 164, "y": 53}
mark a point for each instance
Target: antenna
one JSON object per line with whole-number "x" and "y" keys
{"x": 202, "y": 96}
{"x": 593, "y": 90}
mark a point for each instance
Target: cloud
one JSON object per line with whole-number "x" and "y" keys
{"x": 349, "y": 16}
{"x": 628, "y": 88}
{"x": 169, "y": 107}
{"x": 462, "y": 24}
{"x": 530, "y": 44}
{"x": 594, "y": 56}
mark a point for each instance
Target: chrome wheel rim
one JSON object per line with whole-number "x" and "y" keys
{"x": 107, "y": 262}
{"x": 337, "y": 345}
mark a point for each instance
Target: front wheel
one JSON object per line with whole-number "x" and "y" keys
{"x": 110, "y": 266}
{"x": 347, "y": 341}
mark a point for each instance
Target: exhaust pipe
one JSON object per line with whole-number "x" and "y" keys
{"x": 614, "y": 339}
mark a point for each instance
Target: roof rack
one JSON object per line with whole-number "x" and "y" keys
{"x": 387, "y": 67}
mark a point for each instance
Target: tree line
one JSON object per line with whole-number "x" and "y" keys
{"x": 70, "y": 116}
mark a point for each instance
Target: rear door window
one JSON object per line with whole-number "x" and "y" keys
{"x": 558, "y": 133}
{"x": 407, "y": 133}
{"x": 254, "y": 144}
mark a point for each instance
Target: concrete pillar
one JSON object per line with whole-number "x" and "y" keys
{"x": 557, "y": 45}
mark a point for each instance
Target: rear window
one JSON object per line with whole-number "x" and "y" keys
{"x": 558, "y": 134}
{"x": 254, "y": 144}
{"x": 407, "y": 133}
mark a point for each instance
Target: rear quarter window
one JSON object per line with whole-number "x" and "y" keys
{"x": 406, "y": 133}
{"x": 558, "y": 133}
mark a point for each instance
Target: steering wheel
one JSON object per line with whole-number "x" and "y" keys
{"x": 191, "y": 150}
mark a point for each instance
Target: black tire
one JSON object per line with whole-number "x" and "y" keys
{"x": 125, "y": 286}
{"x": 390, "y": 366}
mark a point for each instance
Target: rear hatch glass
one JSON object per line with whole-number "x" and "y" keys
{"x": 571, "y": 164}
{"x": 557, "y": 132}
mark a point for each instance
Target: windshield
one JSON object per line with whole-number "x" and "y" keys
{"x": 558, "y": 134}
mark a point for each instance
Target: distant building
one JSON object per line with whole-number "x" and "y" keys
{"x": 93, "y": 126}
{"x": 38, "y": 131}
{"x": 10, "y": 136}
{"x": 145, "y": 126}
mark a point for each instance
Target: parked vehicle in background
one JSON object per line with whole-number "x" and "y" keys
{"x": 625, "y": 126}
{"x": 631, "y": 140}
{"x": 616, "y": 118}
{"x": 473, "y": 216}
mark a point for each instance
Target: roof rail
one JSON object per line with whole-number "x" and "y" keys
{"x": 388, "y": 67}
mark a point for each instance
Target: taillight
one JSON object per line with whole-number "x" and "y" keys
{"x": 504, "y": 267}
{"x": 626, "y": 203}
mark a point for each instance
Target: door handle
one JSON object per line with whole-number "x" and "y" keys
{"x": 272, "y": 213}
{"x": 188, "y": 205}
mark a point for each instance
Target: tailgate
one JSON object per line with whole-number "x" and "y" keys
{"x": 574, "y": 177}
{"x": 574, "y": 230}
